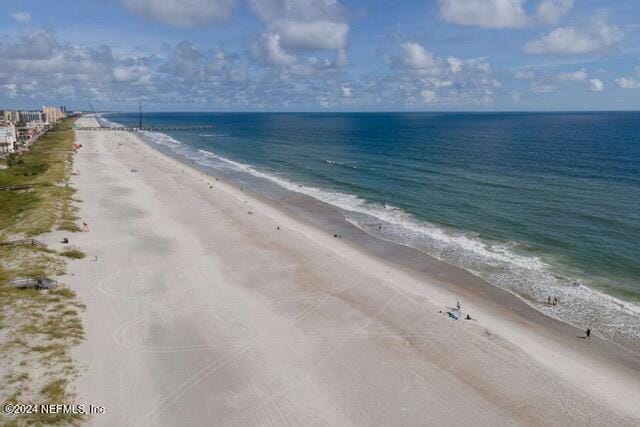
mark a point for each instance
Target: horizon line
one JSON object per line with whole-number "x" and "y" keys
{"x": 364, "y": 111}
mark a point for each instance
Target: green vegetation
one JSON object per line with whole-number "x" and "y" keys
{"x": 38, "y": 328}
{"x": 73, "y": 253}
{"x": 46, "y": 168}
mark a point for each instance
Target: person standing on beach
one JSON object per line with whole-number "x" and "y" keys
{"x": 458, "y": 306}
{"x": 588, "y": 333}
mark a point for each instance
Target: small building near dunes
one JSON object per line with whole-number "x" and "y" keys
{"x": 7, "y": 138}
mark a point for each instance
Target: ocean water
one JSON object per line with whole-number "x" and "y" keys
{"x": 540, "y": 204}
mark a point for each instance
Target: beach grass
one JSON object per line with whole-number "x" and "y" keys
{"x": 73, "y": 253}
{"x": 38, "y": 328}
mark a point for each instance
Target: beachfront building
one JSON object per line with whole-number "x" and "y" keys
{"x": 7, "y": 138}
{"x": 54, "y": 114}
{"x": 31, "y": 116}
{"x": 37, "y": 125}
{"x": 9, "y": 116}
{"x": 30, "y": 131}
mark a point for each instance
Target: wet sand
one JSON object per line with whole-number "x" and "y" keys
{"x": 201, "y": 312}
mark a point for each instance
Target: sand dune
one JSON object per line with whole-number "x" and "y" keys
{"x": 199, "y": 313}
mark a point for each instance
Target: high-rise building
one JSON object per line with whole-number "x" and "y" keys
{"x": 53, "y": 114}
{"x": 11, "y": 116}
{"x": 30, "y": 116}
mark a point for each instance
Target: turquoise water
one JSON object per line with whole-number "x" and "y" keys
{"x": 541, "y": 204}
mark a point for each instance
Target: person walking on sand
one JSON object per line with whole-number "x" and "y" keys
{"x": 458, "y": 306}
{"x": 588, "y": 333}
{"x": 85, "y": 226}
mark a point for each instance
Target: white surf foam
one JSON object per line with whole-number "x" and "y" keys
{"x": 161, "y": 138}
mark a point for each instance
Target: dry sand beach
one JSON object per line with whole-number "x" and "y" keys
{"x": 200, "y": 311}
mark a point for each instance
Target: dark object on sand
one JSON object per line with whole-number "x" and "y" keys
{"x": 64, "y": 240}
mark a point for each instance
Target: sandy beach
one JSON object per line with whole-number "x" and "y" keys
{"x": 206, "y": 305}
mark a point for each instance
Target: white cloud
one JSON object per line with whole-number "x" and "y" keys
{"x": 301, "y": 38}
{"x": 502, "y": 13}
{"x": 346, "y": 90}
{"x": 10, "y": 89}
{"x": 274, "y": 53}
{"x": 595, "y": 37}
{"x": 132, "y": 74}
{"x": 301, "y": 10}
{"x": 312, "y": 35}
{"x": 484, "y": 13}
{"x": 550, "y": 11}
{"x": 596, "y": 85}
{"x": 542, "y": 87}
{"x": 427, "y": 79}
{"x": 182, "y": 13}
{"x": 185, "y": 61}
{"x": 524, "y": 75}
{"x": 225, "y": 66}
{"x": 38, "y": 65}
{"x": 22, "y": 17}
{"x": 428, "y": 96}
{"x": 417, "y": 58}
{"x": 455, "y": 64}
{"x": 575, "y": 76}
{"x": 628, "y": 83}
{"x": 421, "y": 62}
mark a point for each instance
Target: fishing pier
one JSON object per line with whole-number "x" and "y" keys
{"x": 145, "y": 128}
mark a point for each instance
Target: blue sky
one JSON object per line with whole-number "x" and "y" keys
{"x": 284, "y": 55}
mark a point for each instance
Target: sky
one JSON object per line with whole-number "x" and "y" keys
{"x": 321, "y": 55}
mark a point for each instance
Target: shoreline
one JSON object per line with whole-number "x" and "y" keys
{"x": 319, "y": 214}
{"x": 417, "y": 264}
{"x": 533, "y": 337}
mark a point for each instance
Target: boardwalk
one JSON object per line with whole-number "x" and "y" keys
{"x": 145, "y": 128}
